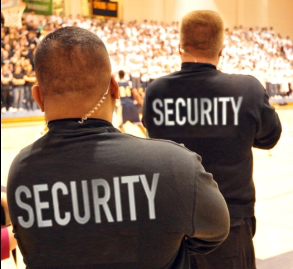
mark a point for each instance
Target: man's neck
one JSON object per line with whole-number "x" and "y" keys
{"x": 54, "y": 114}
{"x": 190, "y": 59}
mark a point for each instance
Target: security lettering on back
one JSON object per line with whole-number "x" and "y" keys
{"x": 195, "y": 111}
{"x": 100, "y": 202}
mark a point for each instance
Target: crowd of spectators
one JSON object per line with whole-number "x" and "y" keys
{"x": 144, "y": 51}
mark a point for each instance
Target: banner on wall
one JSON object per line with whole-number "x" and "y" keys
{"x": 104, "y": 8}
{"x": 41, "y": 7}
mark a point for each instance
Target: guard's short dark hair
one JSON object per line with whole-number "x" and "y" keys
{"x": 71, "y": 60}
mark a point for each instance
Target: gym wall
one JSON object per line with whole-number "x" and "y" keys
{"x": 249, "y": 13}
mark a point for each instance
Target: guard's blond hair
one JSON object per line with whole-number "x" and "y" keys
{"x": 202, "y": 31}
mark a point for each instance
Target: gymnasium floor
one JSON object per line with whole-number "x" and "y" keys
{"x": 273, "y": 176}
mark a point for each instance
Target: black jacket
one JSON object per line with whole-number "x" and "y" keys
{"x": 88, "y": 196}
{"x": 219, "y": 116}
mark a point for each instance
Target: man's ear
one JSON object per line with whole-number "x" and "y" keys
{"x": 36, "y": 92}
{"x": 114, "y": 87}
{"x": 220, "y": 53}
{"x": 180, "y": 49}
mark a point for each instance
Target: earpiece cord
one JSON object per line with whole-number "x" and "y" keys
{"x": 183, "y": 51}
{"x": 190, "y": 56}
{"x": 96, "y": 107}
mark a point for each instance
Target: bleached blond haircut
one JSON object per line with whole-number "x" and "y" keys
{"x": 202, "y": 31}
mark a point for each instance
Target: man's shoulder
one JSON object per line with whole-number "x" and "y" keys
{"x": 161, "y": 81}
{"x": 18, "y": 163}
{"x": 27, "y": 152}
{"x": 243, "y": 84}
{"x": 160, "y": 147}
{"x": 240, "y": 77}
{"x": 23, "y": 154}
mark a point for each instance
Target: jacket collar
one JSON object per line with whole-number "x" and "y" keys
{"x": 72, "y": 124}
{"x": 197, "y": 66}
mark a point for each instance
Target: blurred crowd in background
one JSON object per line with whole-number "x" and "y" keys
{"x": 144, "y": 51}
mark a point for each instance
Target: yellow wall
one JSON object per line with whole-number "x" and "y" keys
{"x": 249, "y": 13}
{"x": 143, "y": 9}
{"x": 280, "y": 16}
{"x": 271, "y": 13}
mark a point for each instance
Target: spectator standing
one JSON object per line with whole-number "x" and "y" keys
{"x": 6, "y": 92}
{"x": 18, "y": 83}
{"x": 30, "y": 80}
{"x": 32, "y": 18}
{"x": 127, "y": 110}
{"x": 136, "y": 83}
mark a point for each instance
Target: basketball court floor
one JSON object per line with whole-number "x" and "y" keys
{"x": 273, "y": 176}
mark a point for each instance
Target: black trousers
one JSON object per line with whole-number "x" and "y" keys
{"x": 236, "y": 252}
{"x": 29, "y": 100}
{"x": 6, "y": 97}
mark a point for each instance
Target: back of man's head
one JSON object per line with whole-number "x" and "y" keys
{"x": 202, "y": 31}
{"x": 121, "y": 74}
{"x": 72, "y": 61}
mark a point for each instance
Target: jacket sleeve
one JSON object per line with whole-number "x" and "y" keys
{"x": 270, "y": 128}
{"x": 211, "y": 216}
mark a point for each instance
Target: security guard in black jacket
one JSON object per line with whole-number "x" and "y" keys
{"x": 86, "y": 195}
{"x": 221, "y": 117}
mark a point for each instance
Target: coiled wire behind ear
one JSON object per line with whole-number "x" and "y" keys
{"x": 183, "y": 51}
{"x": 97, "y": 106}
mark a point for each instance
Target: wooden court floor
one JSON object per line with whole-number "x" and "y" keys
{"x": 273, "y": 177}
